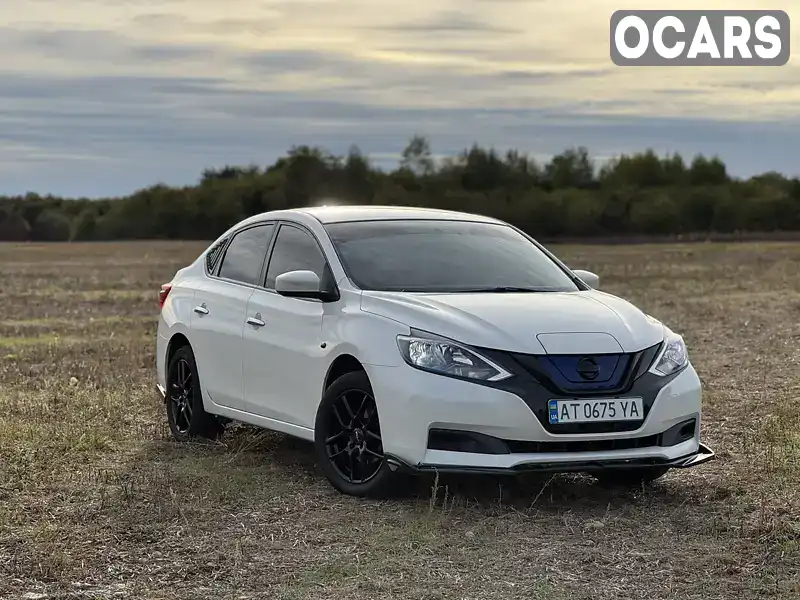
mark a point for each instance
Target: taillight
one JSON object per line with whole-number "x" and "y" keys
{"x": 163, "y": 293}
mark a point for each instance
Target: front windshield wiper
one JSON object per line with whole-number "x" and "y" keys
{"x": 509, "y": 289}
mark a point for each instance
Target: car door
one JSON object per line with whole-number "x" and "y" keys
{"x": 221, "y": 310}
{"x": 283, "y": 359}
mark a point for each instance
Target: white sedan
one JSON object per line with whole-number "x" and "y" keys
{"x": 402, "y": 340}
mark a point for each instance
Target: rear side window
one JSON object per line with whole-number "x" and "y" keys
{"x": 295, "y": 250}
{"x": 245, "y": 254}
{"x": 212, "y": 256}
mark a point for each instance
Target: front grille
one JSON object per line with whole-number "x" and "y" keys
{"x": 561, "y": 373}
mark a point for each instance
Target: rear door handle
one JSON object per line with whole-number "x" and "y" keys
{"x": 201, "y": 310}
{"x": 256, "y": 321}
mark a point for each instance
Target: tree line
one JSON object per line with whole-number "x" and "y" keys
{"x": 641, "y": 194}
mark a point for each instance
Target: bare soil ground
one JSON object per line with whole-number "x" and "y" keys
{"x": 96, "y": 501}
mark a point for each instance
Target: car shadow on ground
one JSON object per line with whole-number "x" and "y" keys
{"x": 289, "y": 462}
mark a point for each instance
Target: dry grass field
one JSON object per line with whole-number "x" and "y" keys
{"x": 96, "y": 501}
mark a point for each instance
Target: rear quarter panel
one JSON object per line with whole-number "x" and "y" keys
{"x": 175, "y": 317}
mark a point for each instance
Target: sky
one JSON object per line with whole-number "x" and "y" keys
{"x": 103, "y": 97}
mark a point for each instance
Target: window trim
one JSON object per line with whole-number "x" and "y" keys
{"x": 215, "y": 274}
{"x": 261, "y": 284}
{"x": 281, "y": 223}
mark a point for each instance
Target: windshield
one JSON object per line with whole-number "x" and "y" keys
{"x": 444, "y": 256}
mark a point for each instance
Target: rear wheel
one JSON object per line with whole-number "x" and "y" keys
{"x": 347, "y": 438}
{"x": 184, "y": 402}
{"x": 630, "y": 477}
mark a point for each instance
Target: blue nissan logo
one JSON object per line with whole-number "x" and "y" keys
{"x": 588, "y": 368}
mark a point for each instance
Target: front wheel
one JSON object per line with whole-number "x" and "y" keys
{"x": 630, "y": 477}
{"x": 347, "y": 438}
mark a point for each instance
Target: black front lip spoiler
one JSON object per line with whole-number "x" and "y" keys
{"x": 704, "y": 454}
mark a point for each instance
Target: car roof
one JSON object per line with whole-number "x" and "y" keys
{"x": 342, "y": 213}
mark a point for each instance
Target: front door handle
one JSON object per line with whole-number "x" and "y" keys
{"x": 201, "y": 310}
{"x": 255, "y": 321}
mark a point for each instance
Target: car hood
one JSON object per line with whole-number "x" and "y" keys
{"x": 531, "y": 323}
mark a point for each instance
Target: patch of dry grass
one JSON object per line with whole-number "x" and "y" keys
{"x": 96, "y": 500}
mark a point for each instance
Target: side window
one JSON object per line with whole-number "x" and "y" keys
{"x": 295, "y": 250}
{"x": 212, "y": 256}
{"x": 245, "y": 254}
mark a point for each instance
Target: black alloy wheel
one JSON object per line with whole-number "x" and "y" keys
{"x": 352, "y": 437}
{"x": 348, "y": 438}
{"x": 181, "y": 397}
{"x": 184, "y": 400}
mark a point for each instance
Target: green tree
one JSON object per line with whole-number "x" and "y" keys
{"x": 707, "y": 171}
{"x": 85, "y": 226}
{"x": 571, "y": 169}
{"x": 417, "y": 156}
{"x": 13, "y": 226}
{"x": 51, "y": 226}
{"x": 633, "y": 194}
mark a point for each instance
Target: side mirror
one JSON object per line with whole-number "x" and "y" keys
{"x": 301, "y": 284}
{"x": 589, "y": 278}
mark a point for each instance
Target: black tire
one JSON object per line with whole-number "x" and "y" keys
{"x": 184, "y": 402}
{"x": 353, "y": 462}
{"x": 630, "y": 477}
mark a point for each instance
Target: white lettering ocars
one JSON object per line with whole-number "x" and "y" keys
{"x": 736, "y": 35}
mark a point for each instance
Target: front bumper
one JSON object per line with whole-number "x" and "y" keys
{"x": 413, "y": 405}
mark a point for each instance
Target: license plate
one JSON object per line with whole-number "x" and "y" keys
{"x": 598, "y": 410}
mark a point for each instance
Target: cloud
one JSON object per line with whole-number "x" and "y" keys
{"x": 159, "y": 89}
{"x": 96, "y": 44}
{"x": 144, "y": 129}
{"x": 449, "y": 21}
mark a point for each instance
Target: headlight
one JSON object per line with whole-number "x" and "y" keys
{"x": 440, "y": 355}
{"x": 674, "y": 356}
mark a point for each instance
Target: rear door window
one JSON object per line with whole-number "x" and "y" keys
{"x": 245, "y": 255}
